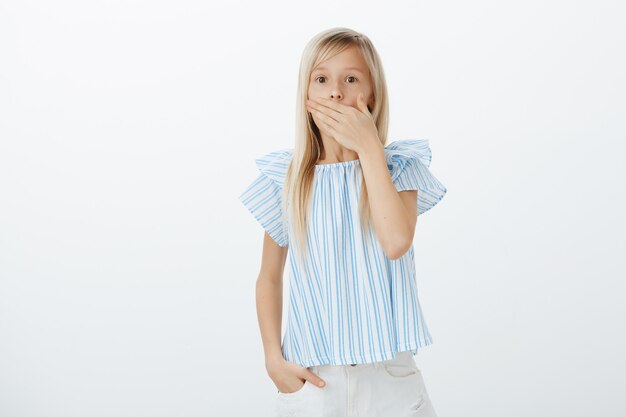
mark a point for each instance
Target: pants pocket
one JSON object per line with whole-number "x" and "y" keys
{"x": 295, "y": 393}
{"x": 402, "y": 366}
{"x": 303, "y": 402}
{"x": 398, "y": 370}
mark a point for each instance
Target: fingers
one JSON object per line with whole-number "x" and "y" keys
{"x": 314, "y": 379}
{"x": 304, "y": 376}
{"x": 329, "y": 105}
{"x": 327, "y": 127}
{"x": 321, "y": 112}
{"x": 325, "y": 123}
{"x": 362, "y": 105}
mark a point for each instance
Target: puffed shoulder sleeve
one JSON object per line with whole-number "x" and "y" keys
{"x": 264, "y": 195}
{"x": 408, "y": 162}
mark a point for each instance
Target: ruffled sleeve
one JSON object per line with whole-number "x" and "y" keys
{"x": 408, "y": 162}
{"x": 264, "y": 195}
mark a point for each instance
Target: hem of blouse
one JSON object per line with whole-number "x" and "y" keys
{"x": 377, "y": 357}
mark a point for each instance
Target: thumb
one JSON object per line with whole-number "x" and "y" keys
{"x": 312, "y": 377}
{"x": 361, "y": 103}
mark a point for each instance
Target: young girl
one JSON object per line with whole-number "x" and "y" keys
{"x": 346, "y": 203}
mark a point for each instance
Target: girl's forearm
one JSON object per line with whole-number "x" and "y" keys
{"x": 390, "y": 217}
{"x": 269, "y": 303}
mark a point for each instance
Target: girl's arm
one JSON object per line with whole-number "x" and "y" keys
{"x": 394, "y": 214}
{"x": 287, "y": 376}
{"x": 269, "y": 298}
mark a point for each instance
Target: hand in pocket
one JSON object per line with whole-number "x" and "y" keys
{"x": 290, "y": 377}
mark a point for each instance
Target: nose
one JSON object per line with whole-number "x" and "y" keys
{"x": 335, "y": 94}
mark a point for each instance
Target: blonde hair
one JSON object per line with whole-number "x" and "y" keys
{"x": 298, "y": 184}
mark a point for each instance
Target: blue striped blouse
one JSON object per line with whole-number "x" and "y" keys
{"x": 348, "y": 302}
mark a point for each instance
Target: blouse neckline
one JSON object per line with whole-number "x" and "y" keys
{"x": 337, "y": 164}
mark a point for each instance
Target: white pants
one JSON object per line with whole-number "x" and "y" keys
{"x": 391, "y": 388}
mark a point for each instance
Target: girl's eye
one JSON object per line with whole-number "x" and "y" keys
{"x": 348, "y": 77}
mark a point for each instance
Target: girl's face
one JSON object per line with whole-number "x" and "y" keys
{"x": 342, "y": 78}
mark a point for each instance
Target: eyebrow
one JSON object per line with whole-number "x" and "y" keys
{"x": 348, "y": 68}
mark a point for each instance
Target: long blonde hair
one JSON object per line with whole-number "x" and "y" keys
{"x": 298, "y": 184}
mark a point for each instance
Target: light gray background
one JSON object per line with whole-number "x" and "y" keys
{"x": 128, "y": 265}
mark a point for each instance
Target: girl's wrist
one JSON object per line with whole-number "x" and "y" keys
{"x": 371, "y": 149}
{"x": 273, "y": 359}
